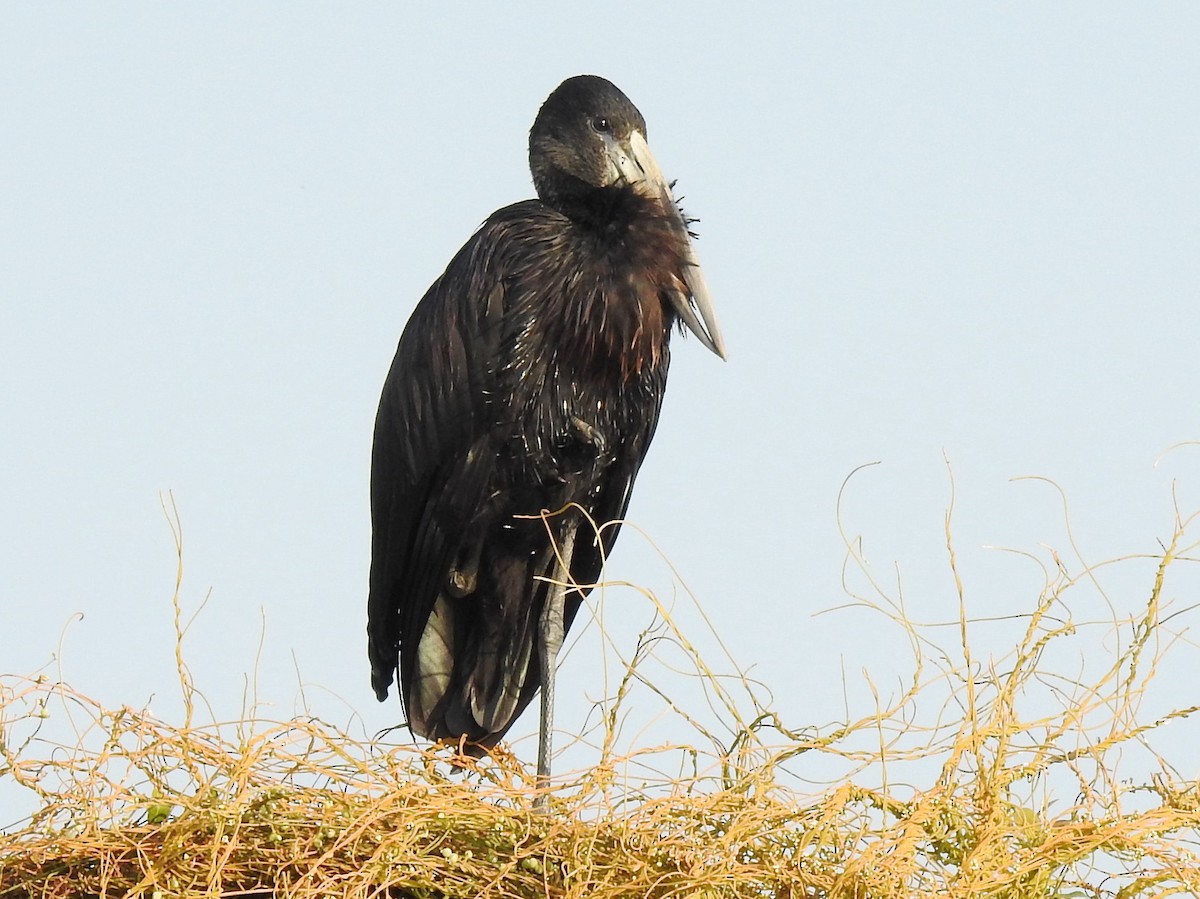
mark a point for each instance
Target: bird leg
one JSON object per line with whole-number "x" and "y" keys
{"x": 552, "y": 634}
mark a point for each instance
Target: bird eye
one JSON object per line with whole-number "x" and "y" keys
{"x": 602, "y": 125}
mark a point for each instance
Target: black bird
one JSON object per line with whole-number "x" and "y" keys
{"x": 523, "y": 396}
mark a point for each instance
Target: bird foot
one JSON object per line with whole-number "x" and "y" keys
{"x": 464, "y": 576}
{"x": 591, "y": 434}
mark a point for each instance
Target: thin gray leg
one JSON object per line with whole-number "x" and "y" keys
{"x": 552, "y": 634}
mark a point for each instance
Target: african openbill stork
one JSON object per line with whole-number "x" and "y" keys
{"x": 523, "y": 396}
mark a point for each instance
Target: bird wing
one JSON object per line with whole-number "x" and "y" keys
{"x": 607, "y": 511}
{"x": 433, "y": 454}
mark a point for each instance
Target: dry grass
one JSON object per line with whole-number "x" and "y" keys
{"x": 140, "y": 807}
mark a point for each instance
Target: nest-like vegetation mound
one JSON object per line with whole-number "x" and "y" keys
{"x": 1018, "y": 802}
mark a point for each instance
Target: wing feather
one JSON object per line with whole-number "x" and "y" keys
{"x": 432, "y": 457}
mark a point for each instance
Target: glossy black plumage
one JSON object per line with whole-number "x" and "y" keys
{"x": 529, "y": 378}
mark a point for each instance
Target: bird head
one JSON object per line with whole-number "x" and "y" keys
{"x": 588, "y": 137}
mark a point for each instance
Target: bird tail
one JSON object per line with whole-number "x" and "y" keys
{"x": 477, "y": 661}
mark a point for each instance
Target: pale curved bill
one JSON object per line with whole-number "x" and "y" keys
{"x": 635, "y": 164}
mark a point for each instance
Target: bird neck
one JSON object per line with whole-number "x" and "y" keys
{"x": 597, "y": 209}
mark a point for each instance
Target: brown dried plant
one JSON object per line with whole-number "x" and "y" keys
{"x": 141, "y": 807}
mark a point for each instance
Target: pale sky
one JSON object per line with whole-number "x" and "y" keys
{"x": 930, "y": 230}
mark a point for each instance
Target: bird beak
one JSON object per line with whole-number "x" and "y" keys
{"x": 635, "y": 164}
